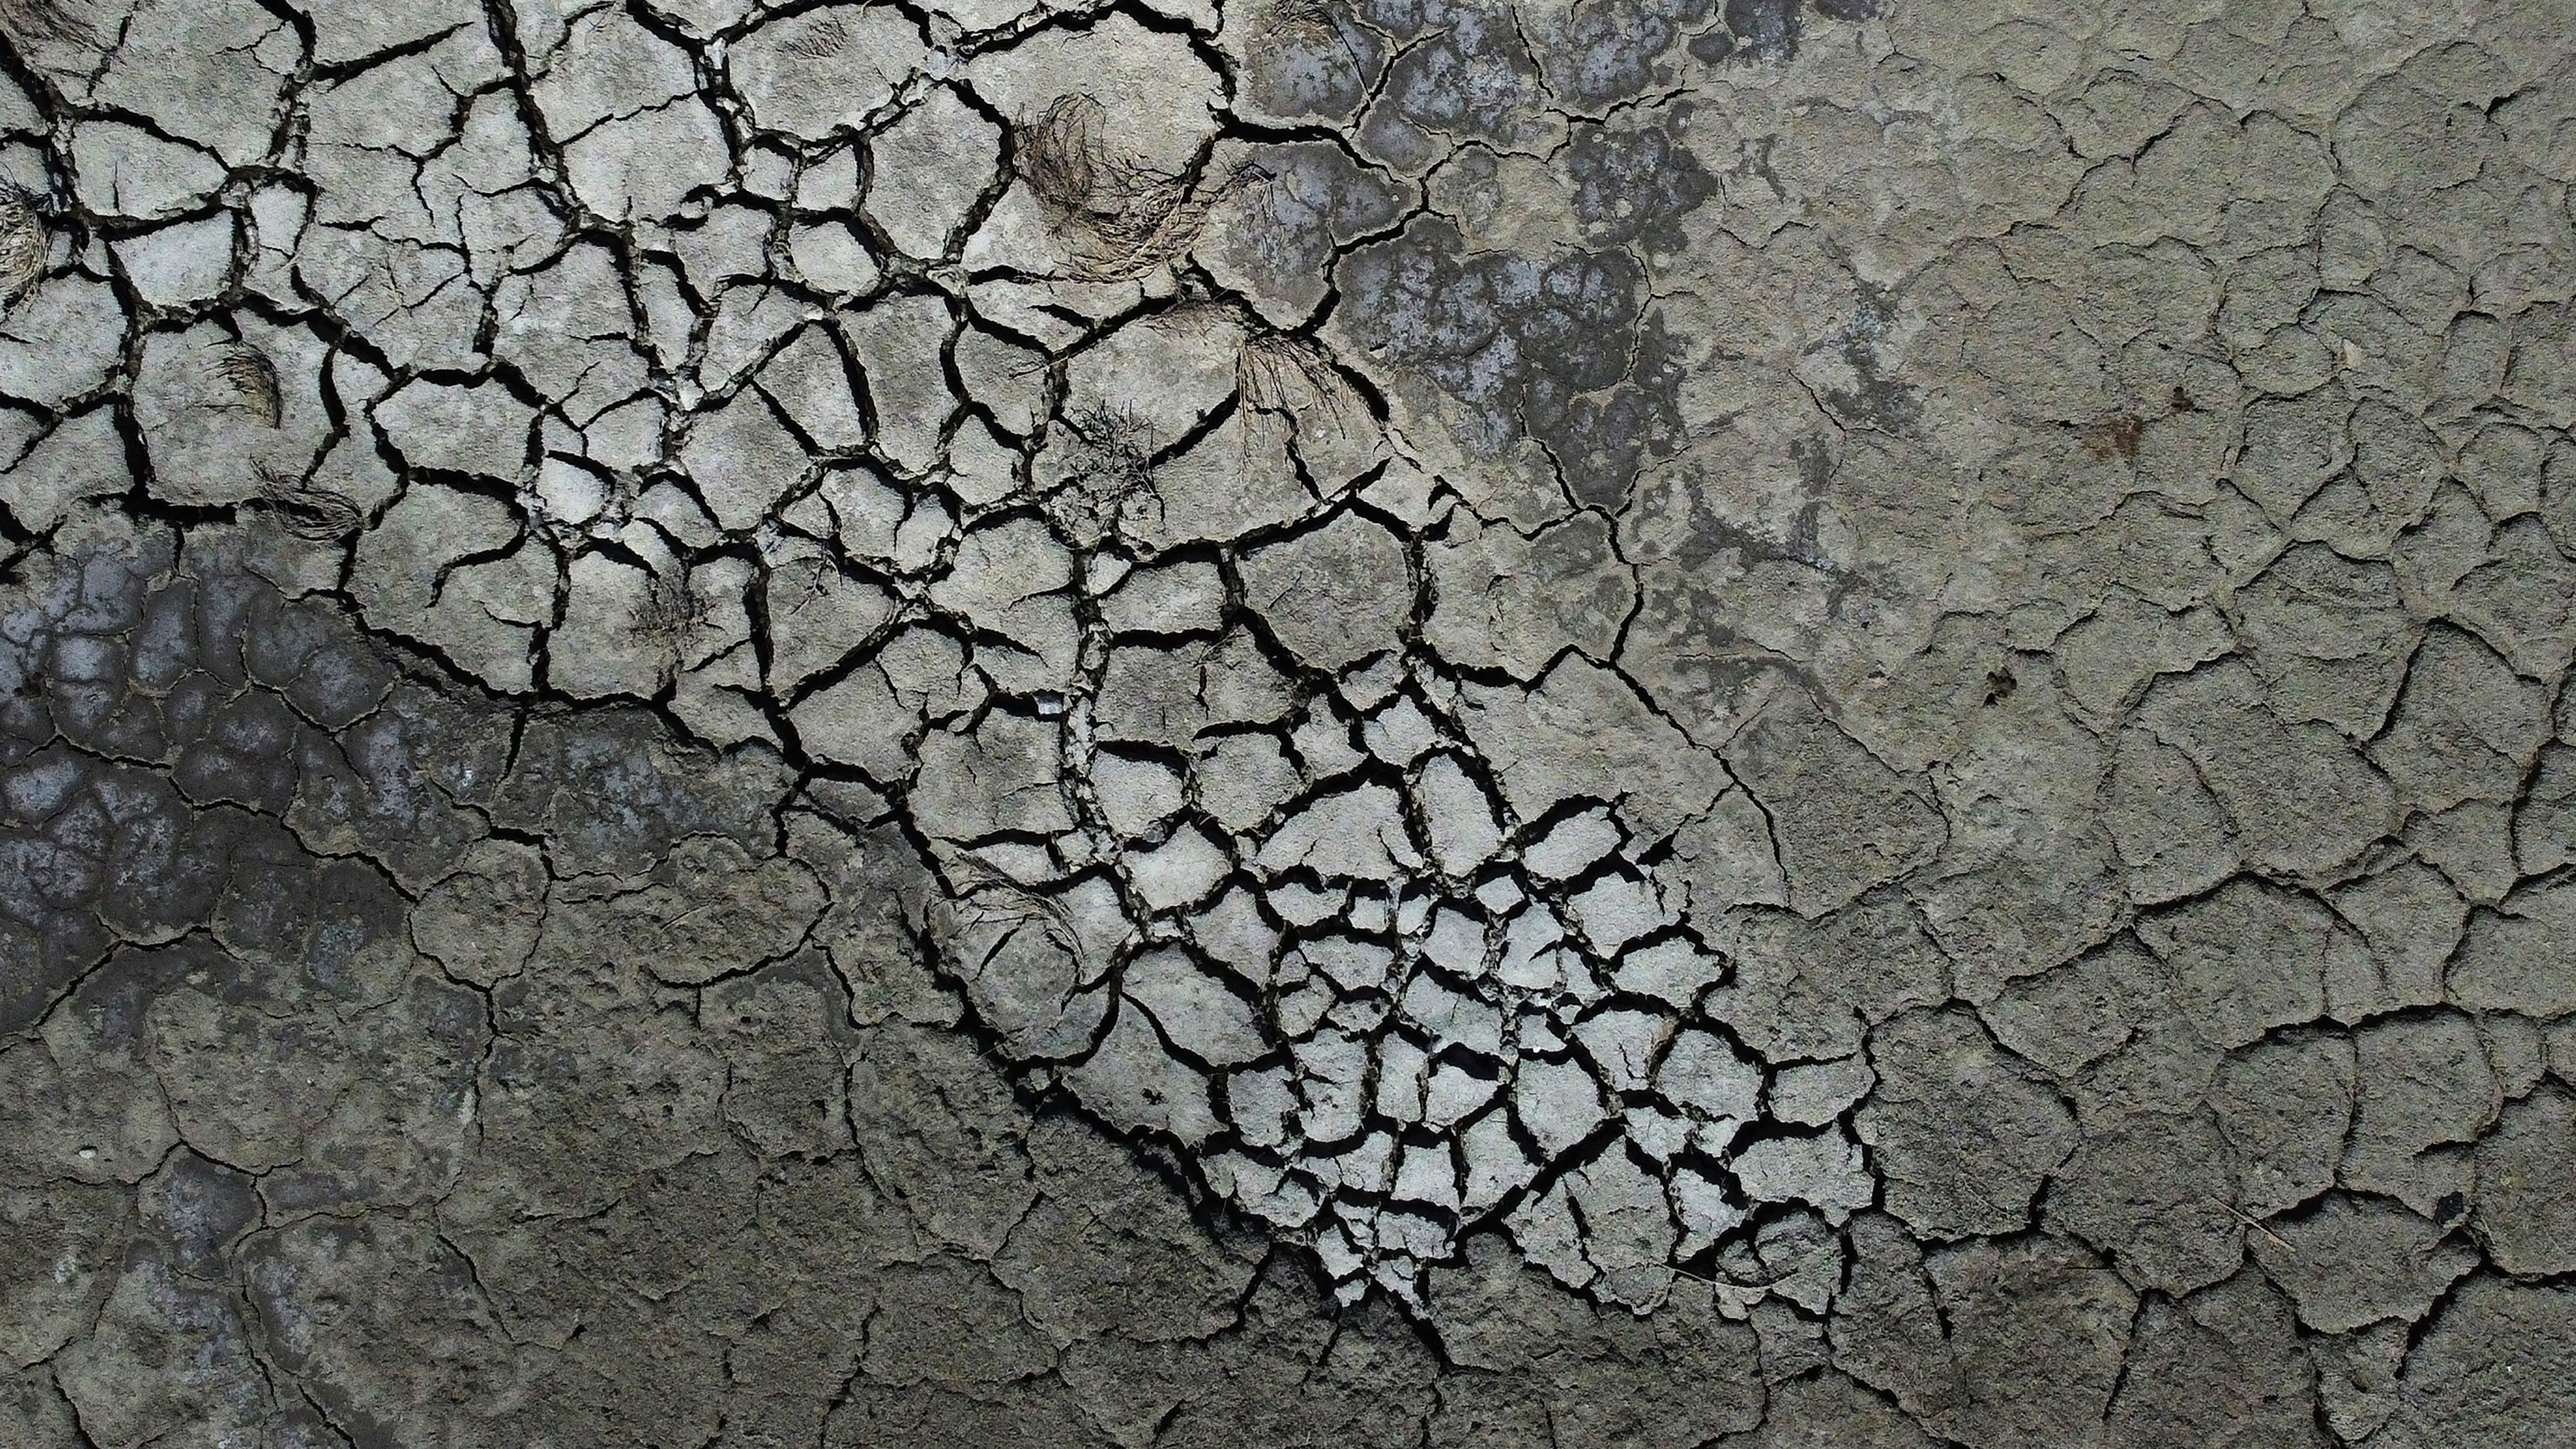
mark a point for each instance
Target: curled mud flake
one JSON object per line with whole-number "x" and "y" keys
{"x": 25, "y": 241}
{"x": 1119, "y": 217}
{"x": 308, "y": 512}
{"x": 247, "y": 373}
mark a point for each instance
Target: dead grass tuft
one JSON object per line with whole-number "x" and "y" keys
{"x": 311, "y": 513}
{"x": 1295, "y": 377}
{"x": 251, "y": 378}
{"x": 1119, "y": 217}
{"x": 986, "y": 897}
{"x": 1112, "y": 485}
{"x": 671, "y": 611}
{"x": 1311, "y": 21}
{"x": 26, "y": 244}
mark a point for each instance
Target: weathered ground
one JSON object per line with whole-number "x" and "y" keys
{"x": 1340, "y": 721}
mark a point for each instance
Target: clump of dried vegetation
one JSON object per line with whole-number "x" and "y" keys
{"x": 308, "y": 512}
{"x": 26, "y": 244}
{"x": 1118, "y": 217}
{"x": 250, "y": 378}
{"x": 1282, "y": 374}
{"x": 1112, "y": 483}
{"x": 1282, "y": 379}
{"x": 1304, "y": 20}
{"x": 1310, "y": 23}
{"x": 671, "y": 610}
{"x": 985, "y": 897}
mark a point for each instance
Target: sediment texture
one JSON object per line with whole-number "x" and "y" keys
{"x": 1340, "y": 721}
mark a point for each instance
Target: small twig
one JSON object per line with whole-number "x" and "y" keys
{"x": 2241, "y": 1216}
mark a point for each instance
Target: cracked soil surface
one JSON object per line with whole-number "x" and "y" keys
{"x": 1266, "y": 722}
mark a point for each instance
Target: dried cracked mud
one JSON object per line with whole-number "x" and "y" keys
{"x": 1267, "y": 722}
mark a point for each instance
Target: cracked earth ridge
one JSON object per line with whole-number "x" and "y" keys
{"x": 452, "y": 1070}
{"x": 1452, "y": 601}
